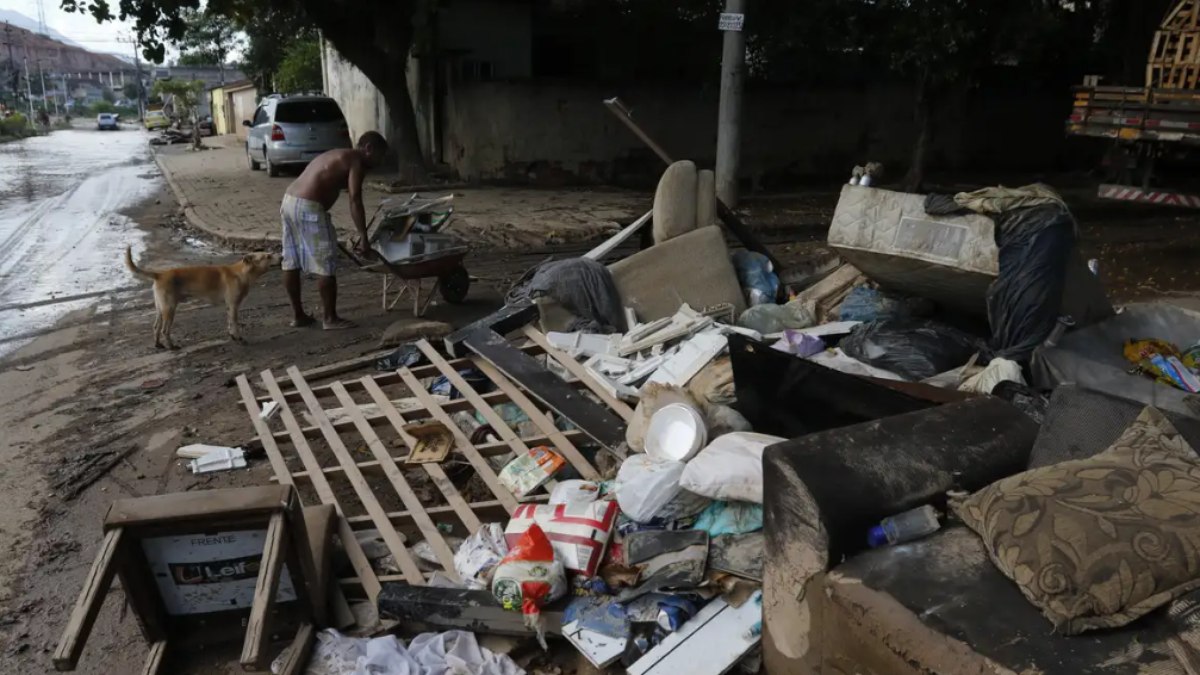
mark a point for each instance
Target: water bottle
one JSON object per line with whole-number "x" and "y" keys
{"x": 904, "y": 527}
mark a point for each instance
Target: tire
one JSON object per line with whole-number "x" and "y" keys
{"x": 454, "y": 285}
{"x": 254, "y": 165}
{"x": 272, "y": 169}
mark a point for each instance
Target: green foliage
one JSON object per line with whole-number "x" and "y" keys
{"x": 15, "y": 125}
{"x": 104, "y": 106}
{"x": 270, "y": 32}
{"x": 208, "y": 38}
{"x": 300, "y": 69}
{"x": 130, "y": 91}
{"x": 186, "y": 94}
{"x": 107, "y": 95}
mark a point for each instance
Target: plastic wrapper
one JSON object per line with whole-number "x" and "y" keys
{"x": 476, "y": 559}
{"x": 913, "y": 349}
{"x": 730, "y": 518}
{"x": 756, "y": 275}
{"x": 579, "y": 533}
{"x": 868, "y": 304}
{"x": 575, "y": 492}
{"x": 729, "y": 468}
{"x": 768, "y": 319}
{"x": 649, "y": 490}
{"x": 529, "y": 577}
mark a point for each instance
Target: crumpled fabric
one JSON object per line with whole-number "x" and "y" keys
{"x": 454, "y": 652}
{"x": 583, "y": 287}
{"x": 999, "y": 199}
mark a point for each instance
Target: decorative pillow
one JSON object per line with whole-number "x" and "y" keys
{"x": 1098, "y": 542}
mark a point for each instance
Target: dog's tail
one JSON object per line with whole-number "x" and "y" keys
{"x": 134, "y": 268}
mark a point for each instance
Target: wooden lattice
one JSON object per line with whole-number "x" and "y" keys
{"x": 357, "y": 463}
{"x": 1174, "y": 61}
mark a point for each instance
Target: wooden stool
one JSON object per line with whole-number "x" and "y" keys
{"x": 191, "y": 555}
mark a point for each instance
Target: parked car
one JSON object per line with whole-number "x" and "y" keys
{"x": 293, "y": 130}
{"x": 156, "y": 119}
{"x": 107, "y": 121}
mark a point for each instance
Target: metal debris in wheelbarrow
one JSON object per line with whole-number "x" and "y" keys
{"x": 411, "y": 247}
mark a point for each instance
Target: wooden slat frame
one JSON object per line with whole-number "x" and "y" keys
{"x": 385, "y": 469}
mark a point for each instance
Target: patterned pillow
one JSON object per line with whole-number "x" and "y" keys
{"x": 1098, "y": 542}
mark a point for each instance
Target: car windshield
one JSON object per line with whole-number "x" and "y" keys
{"x": 308, "y": 111}
{"x": 105, "y": 117}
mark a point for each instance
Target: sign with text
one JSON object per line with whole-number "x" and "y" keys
{"x": 203, "y": 573}
{"x": 731, "y": 21}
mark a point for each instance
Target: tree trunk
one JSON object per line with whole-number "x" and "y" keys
{"x": 915, "y": 177}
{"x": 376, "y": 37}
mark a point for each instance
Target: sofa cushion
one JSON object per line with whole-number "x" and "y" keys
{"x": 1099, "y": 542}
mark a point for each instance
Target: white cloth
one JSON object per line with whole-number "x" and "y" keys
{"x": 454, "y": 652}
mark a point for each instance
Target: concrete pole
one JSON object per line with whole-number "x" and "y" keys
{"x": 28, "y": 90}
{"x": 729, "y": 118}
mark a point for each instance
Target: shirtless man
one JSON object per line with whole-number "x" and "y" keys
{"x": 309, "y": 240}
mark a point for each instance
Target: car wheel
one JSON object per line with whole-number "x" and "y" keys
{"x": 254, "y": 166}
{"x": 272, "y": 169}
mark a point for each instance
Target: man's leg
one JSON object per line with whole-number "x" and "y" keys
{"x": 327, "y": 286}
{"x": 291, "y": 282}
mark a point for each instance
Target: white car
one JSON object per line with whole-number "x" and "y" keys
{"x": 107, "y": 121}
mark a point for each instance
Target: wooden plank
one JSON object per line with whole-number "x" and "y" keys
{"x": 598, "y": 422}
{"x": 428, "y": 528}
{"x": 91, "y": 598}
{"x": 444, "y": 509}
{"x": 541, "y": 420}
{"x": 485, "y": 449}
{"x": 577, "y": 369}
{"x": 384, "y": 379}
{"x": 404, "y": 559}
{"x": 353, "y": 549}
{"x": 435, "y": 471}
{"x": 610, "y": 244}
{"x": 377, "y": 420}
{"x": 270, "y": 570}
{"x": 156, "y": 658}
{"x": 462, "y": 443}
{"x": 300, "y": 652}
{"x": 502, "y": 321}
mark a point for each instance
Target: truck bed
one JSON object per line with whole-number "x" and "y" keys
{"x": 1136, "y": 114}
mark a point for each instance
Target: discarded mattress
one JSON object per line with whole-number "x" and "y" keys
{"x": 1092, "y": 357}
{"x": 948, "y": 259}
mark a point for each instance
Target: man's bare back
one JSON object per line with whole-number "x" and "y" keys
{"x": 326, "y": 176}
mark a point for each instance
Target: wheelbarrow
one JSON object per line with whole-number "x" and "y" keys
{"x": 409, "y": 248}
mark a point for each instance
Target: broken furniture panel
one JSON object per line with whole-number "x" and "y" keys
{"x": 360, "y": 465}
{"x": 216, "y": 556}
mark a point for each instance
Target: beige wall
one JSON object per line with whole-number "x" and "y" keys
{"x": 243, "y": 104}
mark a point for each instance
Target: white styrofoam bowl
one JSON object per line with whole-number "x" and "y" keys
{"x": 676, "y": 433}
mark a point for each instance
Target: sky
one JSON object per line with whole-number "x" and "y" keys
{"x": 81, "y": 28}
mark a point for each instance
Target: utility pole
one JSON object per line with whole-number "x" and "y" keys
{"x": 137, "y": 65}
{"x": 12, "y": 63}
{"x": 729, "y": 117}
{"x": 42, "y": 77}
{"x": 28, "y": 90}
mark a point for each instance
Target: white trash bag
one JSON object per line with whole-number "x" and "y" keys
{"x": 729, "y": 468}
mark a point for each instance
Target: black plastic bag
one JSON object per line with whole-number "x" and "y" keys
{"x": 1025, "y": 300}
{"x": 910, "y": 348}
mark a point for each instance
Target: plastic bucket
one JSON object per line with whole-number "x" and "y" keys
{"x": 676, "y": 433}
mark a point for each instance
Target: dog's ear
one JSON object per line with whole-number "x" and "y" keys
{"x": 248, "y": 258}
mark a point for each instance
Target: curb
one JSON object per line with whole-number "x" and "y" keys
{"x": 189, "y": 213}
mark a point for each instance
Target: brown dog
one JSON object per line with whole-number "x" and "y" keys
{"x": 213, "y": 283}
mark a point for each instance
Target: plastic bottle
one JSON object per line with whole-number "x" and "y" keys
{"x": 904, "y": 527}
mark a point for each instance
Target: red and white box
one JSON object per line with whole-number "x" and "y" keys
{"x": 578, "y": 532}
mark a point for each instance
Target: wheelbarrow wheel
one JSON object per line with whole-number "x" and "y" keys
{"x": 454, "y": 285}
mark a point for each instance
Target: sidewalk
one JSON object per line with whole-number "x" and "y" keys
{"x": 222, "y": 196}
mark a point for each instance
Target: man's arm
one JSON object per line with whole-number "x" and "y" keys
{"x": 358, "y": 214}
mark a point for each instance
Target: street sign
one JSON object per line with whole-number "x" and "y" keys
{"x": 730, "y": 21}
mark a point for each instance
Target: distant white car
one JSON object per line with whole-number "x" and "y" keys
{"x": 107, "y": 121}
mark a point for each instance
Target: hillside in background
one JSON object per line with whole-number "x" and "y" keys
{"x": 55, "y": 52}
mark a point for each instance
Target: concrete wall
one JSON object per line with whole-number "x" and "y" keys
{"x": 558, "y": 133}
{"x": 499, "y": 34}
{"x": 360, "y": 101}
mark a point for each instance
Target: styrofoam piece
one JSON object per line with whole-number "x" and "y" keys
{"x": 600, "y": 649}
{"x": 222, "y": 459}
{"x": 692, "y": 356}
{"x": 709, "y": 643}
{"x": 198, "y": 450}
{"x": 269, "y": 410}
{"x": 614, "y": 389}
{"x": 685, "y": 322}
{"x": 631, "y": 319}
{"x": 645, "y": 330}
{"x": 609, "y": 365}
{"x": 748, "y": 332}
{"x": 676, "y": 433}
{"x": 644, "y": 369}
{"x": 587, "y": 344}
